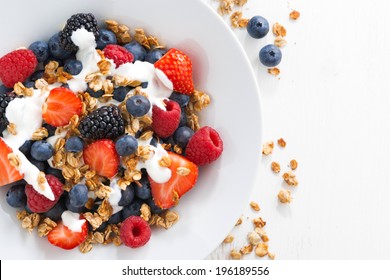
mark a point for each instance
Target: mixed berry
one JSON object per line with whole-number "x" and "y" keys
{"x": 89, "y": 145}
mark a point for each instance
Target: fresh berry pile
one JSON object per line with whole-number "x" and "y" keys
{"x": 100, "y": 136}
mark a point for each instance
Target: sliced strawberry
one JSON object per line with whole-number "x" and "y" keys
{"x": 101, "y": 156}
{"x": 8, "y": 173}
{"x": 61, "y": 236}
{"x": 167, "y": 194}
{"x": 177, "y": 66}
{"x": 61, "y": 105}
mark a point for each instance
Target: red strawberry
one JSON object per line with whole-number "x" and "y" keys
{"x": 61, "y": 105}
{"x": 177, "y": 66}
{"x": 135, "y": 232}
{"x": 119, "y": 54}
{"x": 205, "y": 146}
{"x": 17, "y": 66}
{"x": 8, "y": 173}
{"x": 167, "y": 194}
{"x": 39, "y": 203}
{"x": 61, "y": 236}
{"x": 101, "y": 156}
{"x": 164, "y": 123}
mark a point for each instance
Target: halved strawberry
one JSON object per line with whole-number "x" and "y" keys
{"x": 183, "y": 178}
{"x": 101, "y": 156}
{"x": 61, "y": 236}
{"x": 177, "y": 66}
{"x": 61, "y": 105}
{"x": 8, "y": 173}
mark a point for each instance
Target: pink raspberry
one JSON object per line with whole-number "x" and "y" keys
{"x": 205, "y": 146}
{"x": 39, "y": 203}
{"x": 135, "y": 232}
{"x": 119, "y": 54}
{"x": 164, "y": 123}
{"x": 17, "y": 66}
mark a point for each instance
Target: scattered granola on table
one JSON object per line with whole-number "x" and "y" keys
{"x": 295, "y": 15}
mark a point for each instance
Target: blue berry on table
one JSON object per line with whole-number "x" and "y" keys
{"x": 40, "y": 49}
{"x": 143, "y": 191}
{"x": 126, "y": 145}
{"x": 137, "y": 50}
{"x": 55, "y": 48}
{"x": 16, "y": 197}
{"x": 73, "y": 66}
{"x": 78, "y": 195}
{"x": 270, "y": 55}
{"x": 105, "y": 38}
{"x": 72, "y": 208}
{"x": 74, "y": 144}
{"x": 120, "y": 93}
{"x": 116, "y": 218}
{"x": 181, "y": 99}
{"x": 50, "y": 129}
{"x": 138, "y": 105}
{"x": 183, "y": 118}
{"x": 133, "y": 209}
{"x": 155, "y": 55}
{"x": 42, "y": 150}
{"x": 257, "y": 27}
{"x": 182, "y": 135}
{"x": 127, "y": 196}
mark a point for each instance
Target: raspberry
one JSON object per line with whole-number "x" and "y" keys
{"x": 205, "y": 146}
{"x": 135, "y": 232}
{"x": 166, "y": 122}
{"x": 17, "y": 66}
{"x": 39, "y": 203}
{"x": 119, "y": 54}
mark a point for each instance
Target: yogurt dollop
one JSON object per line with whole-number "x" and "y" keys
{"x": 72, "y": 221}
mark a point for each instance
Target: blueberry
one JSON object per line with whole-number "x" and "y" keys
{"x": 55, "y": 48}
{"x": 183, "y": 118}
{"x": 143, "y": 191}
{"x": 153, "y": 207}
{"x": 50, "y": 129}
{"x": 127, "y": 196}
{"x": 73, "y": 66}
{"x": 155, "y": 140}
{"x": 155, "y": 55}
{"x": 182, "y": 135}
{"x": 74, "y": 144}
{"x": 78, "y": 195}
{"x": 26, "y": 147}
{"x": 144, "y": 84}
{"x": 40, "y": 49}
{"x": 72, "y": 208}
{"x": 16, "y": 197}
{"x": 28, "y": 209}
{"x": 41, "y": 165}
{"x": 270, "y": 55}
{"x": 57, "y": 210}
{"x": 37, "y": 75}
{"x": 120, "y": 93}
{"x": 138, "y": 105}
{"x": 105, "y": 38}
{"x": 257, "y": 27}
{"x": 133, "y": 209}
{"x": 102, "y": 227}
{"x": 29, "y": 84}
{"x": 42, "y": 150}
{"x": 181, "y": 99}
{"x": 4, "y": 89}
{"x": 126, "y": 145}
{"x": 136, "y": 49}
{"x": 95, "y": 94}
{"x": 116, "y": 218}
{"x": 55, "y": 172}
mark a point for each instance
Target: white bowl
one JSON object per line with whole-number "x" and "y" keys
{"x": 221, "y": 68}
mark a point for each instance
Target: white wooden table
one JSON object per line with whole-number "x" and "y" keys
{"x": 331, "y": 103}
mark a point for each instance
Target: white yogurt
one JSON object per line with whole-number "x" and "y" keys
{"x": 72, "y": 221}
{"x": 115, "y": 196}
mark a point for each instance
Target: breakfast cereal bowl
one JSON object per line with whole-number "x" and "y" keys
{"x": 220, "y": 68}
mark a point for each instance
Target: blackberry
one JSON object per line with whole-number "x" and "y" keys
{"x": 5, "y": 99}
{"x": 104, "y": 123}
{"x": 77, "y": 21}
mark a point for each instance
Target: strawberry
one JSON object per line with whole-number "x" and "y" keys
{"x": 167, "y": 194}
{"x": 8, "y": 173}
{"x": 61, "y": 105}
{"x": 17, "y": 66}
{"x": 177, "y": 66}
{"x": 165, "y": 122}
{"x": 101, "y": 156}
{"x": 119, "y": 54}
{"x": 61, "y": 236}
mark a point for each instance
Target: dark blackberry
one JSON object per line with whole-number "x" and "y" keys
{"x": 77, "y": 21}
{"x": 5, "y": 99}
{"x": 104, "y": 123}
